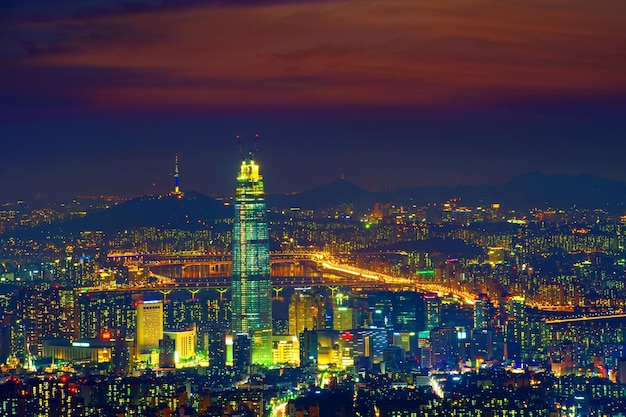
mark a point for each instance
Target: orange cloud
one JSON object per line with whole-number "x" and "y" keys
{"x": 341, "y": 53}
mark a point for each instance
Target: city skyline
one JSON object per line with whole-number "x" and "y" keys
{"x": 98, "y": 97}
{"x": 425, "y": 309}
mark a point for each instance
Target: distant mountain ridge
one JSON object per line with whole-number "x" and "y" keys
{"x": 196, "y": 211}
{"x": 329, "y": 195}
{"x": 522, "y": 192}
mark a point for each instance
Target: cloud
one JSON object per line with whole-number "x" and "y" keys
{"x": 316, "y": 52}
{"x": 406, "y": 53}
{"x": 50, "y": 10}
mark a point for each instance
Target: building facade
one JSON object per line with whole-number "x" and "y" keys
{"x": 149, "y": 326}
{"x": 251, "y": 297}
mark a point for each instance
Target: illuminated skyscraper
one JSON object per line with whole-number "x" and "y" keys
{"x": 402, "y": 311}
{"x": 149, "y": 326}
{"x": 305, "y": 312}
{"x": 516, "y": 327}
{"x": 483, "y": 313}
{"x": 251, "y": 296}
{"x": 432, "y": 305}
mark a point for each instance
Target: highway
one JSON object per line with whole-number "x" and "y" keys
{"x": 587, "y": 319}
{"x": 295, "y": 269}
{"x": 365, "y": 275}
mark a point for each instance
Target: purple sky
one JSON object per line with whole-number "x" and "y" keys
{"x": 97, "y": 97}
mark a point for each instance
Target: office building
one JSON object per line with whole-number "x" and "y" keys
{"x": 184, "y": 346}
{"x": 149, "y": 326}
{"x": 305, "y": 312}
{"x": 251, "y": 296}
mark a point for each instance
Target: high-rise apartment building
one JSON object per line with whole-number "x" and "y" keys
{"x": 445, "y": 346}
{"x": 432, "y": 307}
{"x": 516, "y": 327}
{"x": 483, "y": 312}
{"x": 251, "y": 296}
{"x": 35, "y": 313}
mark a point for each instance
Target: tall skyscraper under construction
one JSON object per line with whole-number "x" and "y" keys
{"x": 251, "y": 296}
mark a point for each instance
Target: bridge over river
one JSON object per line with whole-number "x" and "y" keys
{"x": 193, "y": 271}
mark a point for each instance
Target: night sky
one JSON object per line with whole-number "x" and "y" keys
{"x": 96, "y": 97}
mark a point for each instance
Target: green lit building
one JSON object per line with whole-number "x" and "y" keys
{"x": 251, "y": 296}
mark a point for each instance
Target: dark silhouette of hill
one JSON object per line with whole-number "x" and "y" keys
{"x": 563, "y": 191}
{"x": 192, "y": 212}
{"x": 332, "y": 194}
{"x": 522, "y": 192}
{"x": 162, "y": 211}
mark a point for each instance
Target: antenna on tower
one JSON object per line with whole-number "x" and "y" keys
{"x": 239, "y": 145}
{"x": 252, "y": 151}
{"x": 256, "y": 138}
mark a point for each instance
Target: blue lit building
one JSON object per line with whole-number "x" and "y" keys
{"x": 251, "y": 296}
